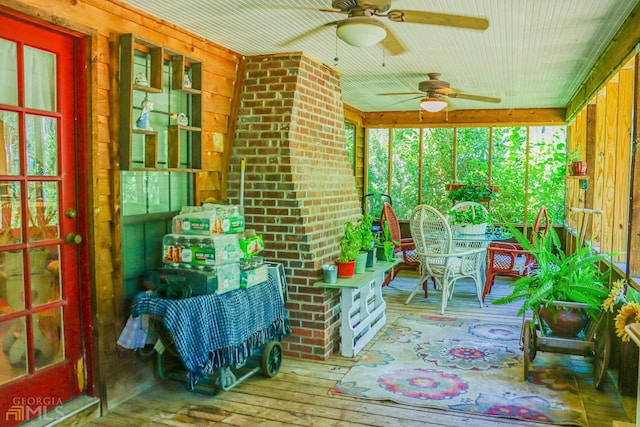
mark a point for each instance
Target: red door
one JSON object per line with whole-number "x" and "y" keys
{"x": 41, "y": 364}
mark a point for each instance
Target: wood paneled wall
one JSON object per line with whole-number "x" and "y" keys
{"x": 122, "y": 374}
{"x": 602, "y": 133}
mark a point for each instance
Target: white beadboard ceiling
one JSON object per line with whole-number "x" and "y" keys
{"x": 534, "y": 54}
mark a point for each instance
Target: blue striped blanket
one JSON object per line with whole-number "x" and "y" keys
{"x": 215, "y": 331}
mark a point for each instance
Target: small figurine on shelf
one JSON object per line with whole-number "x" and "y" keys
{"x": 141, "y": 79}
{"x": 182, "y": 119}
{"x": 143, "y": 120}
{"x": 187, "y": 81}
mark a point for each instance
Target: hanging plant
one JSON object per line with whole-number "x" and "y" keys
{"x": 471, "y": 193}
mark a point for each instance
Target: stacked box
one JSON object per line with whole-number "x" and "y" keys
{"x": 253, "y": 276}
{"x": 179, "y": 283}
{"x": 206, "y": 246}
{"x": 201, "y": 250}
{"x": 215, "y": 219}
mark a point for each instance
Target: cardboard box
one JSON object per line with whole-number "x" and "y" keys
{"x": 205, "y": 250}
{"x": 208, "y": 220}
{"x": 254, "y": 276}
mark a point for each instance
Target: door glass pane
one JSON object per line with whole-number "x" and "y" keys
{"x": 42, "y": 145}
{"x": 48, "y": 337}
{"x": 14, "y": 268}
{"x": 10, "y": 208}
{"x": 9, "y": 149}
{"x": 52, "y": 273}
{"x": 39, "y": 79}
{"x": 43, "y": 211}
{"x": 13, "y": 360}
{"x": 9, "y": 73}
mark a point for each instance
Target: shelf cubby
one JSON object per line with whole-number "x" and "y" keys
{"x": 183, "y": 147}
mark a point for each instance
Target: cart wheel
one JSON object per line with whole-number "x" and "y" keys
{"x": 602, "y": 353}
{"x": 526, "y": 344}
{"x": 271, "y": 359}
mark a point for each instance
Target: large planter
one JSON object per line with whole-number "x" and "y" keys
{"x": 470, "y": 228}
{"x": 346, "y": 269}
{"x": 567, "y": 322}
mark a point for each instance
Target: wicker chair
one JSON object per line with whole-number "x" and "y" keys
{"x": 510, "y": 259}
{"x": 406, "y": 248}
{"x": 438, "y": 256}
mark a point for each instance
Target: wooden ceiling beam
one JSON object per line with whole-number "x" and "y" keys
{"x": 506, "y": 117}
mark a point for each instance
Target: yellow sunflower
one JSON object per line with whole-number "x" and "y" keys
{"x": 614, "y": 295}
{"x": 629, "y": 313}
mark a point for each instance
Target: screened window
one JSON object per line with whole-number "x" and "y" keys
{"x": 526, "y": 164}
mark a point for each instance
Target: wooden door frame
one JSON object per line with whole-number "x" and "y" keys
{"x": 85, "y": 41}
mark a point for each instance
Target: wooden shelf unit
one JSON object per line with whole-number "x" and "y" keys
{"x": 182, "y": 154}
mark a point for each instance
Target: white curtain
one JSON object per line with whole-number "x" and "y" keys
{"x": 9, "y": 73}
{"x": 39, "y": 79}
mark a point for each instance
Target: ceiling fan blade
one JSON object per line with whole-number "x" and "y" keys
{"x": 401, "y": 93}
{"x": 392, "y": 44}
{"x": 310, "y": 32}
{"x": 404, "y": 100}
{"x": 432, "y": 18}
{"x": 444, "y": 90}
{"x": 474, "y": 97}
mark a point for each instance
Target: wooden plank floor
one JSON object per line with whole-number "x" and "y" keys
{"x": 298, "y": 395}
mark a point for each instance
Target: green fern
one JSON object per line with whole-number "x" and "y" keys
{"x": 558, "y": 277}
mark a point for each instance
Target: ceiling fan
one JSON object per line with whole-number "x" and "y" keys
{"x": 436, "y": 91}
{"x": 362, "y": 28}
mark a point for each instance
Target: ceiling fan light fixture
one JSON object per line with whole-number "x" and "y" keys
{"x": 433, "y": 105}
{"x": 361, "y": 32}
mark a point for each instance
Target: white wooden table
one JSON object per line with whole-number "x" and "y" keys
{"x": 362, "y": 306}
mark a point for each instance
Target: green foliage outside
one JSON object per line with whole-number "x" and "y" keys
{"x": 405, "y": 161}
{"x": 350, "y": 136}
{"x": 437, "y": 166}
{"x": 378, "y": 170}
{"x": 509, "y": 169}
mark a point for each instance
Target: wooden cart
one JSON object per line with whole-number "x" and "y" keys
{"x": 593, "y": 341}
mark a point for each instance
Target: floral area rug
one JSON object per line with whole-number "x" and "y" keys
{"x": 464, "y": 365}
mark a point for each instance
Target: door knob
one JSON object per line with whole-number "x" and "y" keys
{"x": 70, "y": 213}
{"x": 73, "y": 239}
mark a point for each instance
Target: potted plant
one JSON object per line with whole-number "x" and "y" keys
{"x": 367, "y": 239}
{"x": 470, "y": 219}
{"x": 471, "y": 192}
{"x": 557, "y": 279}
{"x": 349, "y": 248}
{"x": 386, "y": 248}
{"x": 578, "y": 166}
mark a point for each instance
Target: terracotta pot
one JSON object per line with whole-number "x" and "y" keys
{"x": 567, "y": 323}
{"x": 579, "y": 168}
{"x": 346, "y": 269}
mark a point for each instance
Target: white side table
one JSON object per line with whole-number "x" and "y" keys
{"x": 362, "y": 306}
